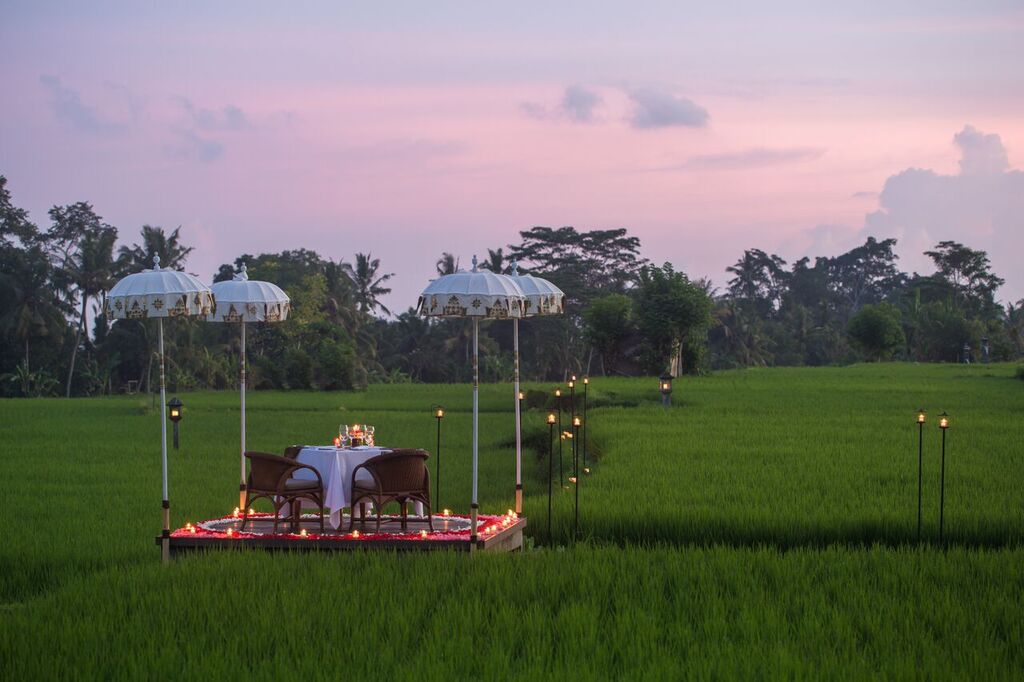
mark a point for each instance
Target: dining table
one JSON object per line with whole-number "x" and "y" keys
{"x": 336, "y": 465}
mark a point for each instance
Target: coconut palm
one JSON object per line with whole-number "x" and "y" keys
{"x": 91, "y": 270}
{"x": 155, "y": 242}
{"x": 447, "y": 264}
{"x": 368, "y": 283}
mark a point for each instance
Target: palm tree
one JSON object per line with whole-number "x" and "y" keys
{"x": 495, "y": 261}
{"x": 447, "y": 264}
{"x": 91, "y": 271}
{"x": 368, "y": 284}
{"x": 155, "y": 242}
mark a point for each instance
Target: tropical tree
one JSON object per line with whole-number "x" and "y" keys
{"x": 876, "y": 329}
{"x": 673, "y": 315}
{"x": 447, "y": 264}
{"x": 608, "y": 324}
{"x": 369, "y": 285}
{"x": 155, "y": 242}
{"x": 495, "y": 261}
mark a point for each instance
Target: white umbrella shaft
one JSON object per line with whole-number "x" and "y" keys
{"x": 241, "y": 456}
{"x": 164, "y": 545}
{"x": 519, "y": 430}
{"x": 476, "y": 417}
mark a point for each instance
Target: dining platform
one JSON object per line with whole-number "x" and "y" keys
{"x": 495, "y": 533}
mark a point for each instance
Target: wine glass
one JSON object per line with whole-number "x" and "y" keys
{"x": 369, "y": 434}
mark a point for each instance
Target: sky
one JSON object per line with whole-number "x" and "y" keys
{"x": 406, "y": 129}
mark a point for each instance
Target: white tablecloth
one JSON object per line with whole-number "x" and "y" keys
{"x": 335, "y": 466}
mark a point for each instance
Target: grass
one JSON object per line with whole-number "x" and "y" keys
{"x": 762, "y": 527}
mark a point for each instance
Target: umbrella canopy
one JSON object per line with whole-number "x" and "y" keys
{"x": 245, "y": 300}
{"x": 160, "y": 293}
{"x": 541, "y": 297}
{"x": 477, "y": 294}
{"x": 241, "y": 299}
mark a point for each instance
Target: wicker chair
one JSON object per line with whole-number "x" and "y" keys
{"x": 292, "y": 451}
{"x": 270, "y": 476}
{"x": 397, "y": 476}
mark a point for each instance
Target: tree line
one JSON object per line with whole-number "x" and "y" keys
{"x": 624, "y": 315}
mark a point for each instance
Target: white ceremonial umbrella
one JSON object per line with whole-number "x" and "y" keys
{"x": 478, "y": 294}
{"x": 541, "y": 298}
{"x": 244, "y": 300}
{"x": 160, "y": 293}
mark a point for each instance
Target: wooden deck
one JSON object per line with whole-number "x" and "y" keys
{"x": 451, "y": 533}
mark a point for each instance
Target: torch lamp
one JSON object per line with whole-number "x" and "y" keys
{"x": 576, "y": 423}
{"x": 665, "y": 386}
{"x": 572, "y": 398}
{"x": 586, "y": 383}
{"x": 551, "y": 453}
{"x": 943, "y": 426}
{"x": 920, "y": 449}
{"x": 174, "y": 413}
{"x": 558, "y": 401}
{"x": 438, "y": 415}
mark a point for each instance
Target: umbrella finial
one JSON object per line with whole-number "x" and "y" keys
{"x": 243, "y": 274}
{"x": 156, "y": 261}
{"x": 474, "y": 262}
{"x": 514, "y": 269}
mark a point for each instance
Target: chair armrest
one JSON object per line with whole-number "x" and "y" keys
{"x": 370, "y": 471}
{"x": 292, "y": 469}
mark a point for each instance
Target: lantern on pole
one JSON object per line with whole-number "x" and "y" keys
{"x": 561, "y": 437}
{"x": 160, "y": 293}
{"x": 586, "y": 383}
{"x": 665, "y": 386}
{"x": 576, "y": 469}
{"x": 438, "y": 415}
{"x": 174, "y": 414}
{"x": 551, "y": 475}
{"x": 920, "y": 457}
{"x": 943, "y": 426}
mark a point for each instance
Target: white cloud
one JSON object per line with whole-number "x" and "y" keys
{"x": 655, "y": 109}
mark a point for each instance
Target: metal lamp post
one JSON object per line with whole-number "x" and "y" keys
{"x": 558, "y": 400}
{"x": 943, "y": 426}
{"x": 174, "y": 414}
{"x": 586, "y": 383}
{"x": 920, "y": 450}
{"x": 665, "y": 386}
{"x": 438, "y": 415}
{"x": 551, "y": 453}
{"x": 576, "y": 473}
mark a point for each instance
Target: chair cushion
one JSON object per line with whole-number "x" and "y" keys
{"x": 300, "y": 484}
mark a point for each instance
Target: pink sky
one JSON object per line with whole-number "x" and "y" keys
{"x": 445, "y": 127}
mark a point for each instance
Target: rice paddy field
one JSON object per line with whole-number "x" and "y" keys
{"x": 762, "y": 527}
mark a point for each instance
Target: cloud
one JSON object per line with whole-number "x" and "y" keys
{"x": 654, "y": 109}
{"x": 535, "y": 110}
{"x": 229, "y": 117}
{"x": 68, "y": 107}
{"x": 864, "y": 195}
{"x": 982, "y": 206}
{"x": 191, "y": 145}
{"x": 751, "y": 158}
{"x": 981, "y": 154}
{"x": 579, "y": 103}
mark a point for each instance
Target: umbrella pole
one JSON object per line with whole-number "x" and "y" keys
{"x": 241, "y": 460}
{"x": 476, "y": 432}
{"x": 165, "y": 539}
{"x": 519, "y": 423}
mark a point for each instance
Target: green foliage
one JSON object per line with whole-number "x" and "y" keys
{"x": 876, "y": 329}
{"x": 609, "y": 324}
{"x": 298, "y": 369}
{"x": 673, "y": 315}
